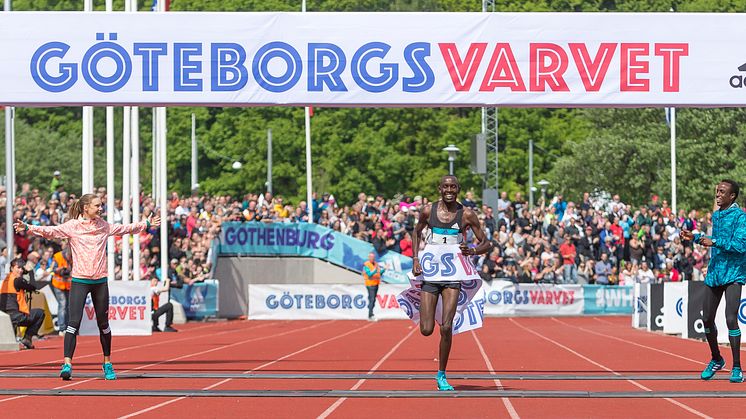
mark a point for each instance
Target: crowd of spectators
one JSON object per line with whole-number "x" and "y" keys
{"x": 596, "y": 240}
{"x": 192, "y": 224}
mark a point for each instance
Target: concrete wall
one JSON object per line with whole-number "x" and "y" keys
{"x": 235, "y": 273}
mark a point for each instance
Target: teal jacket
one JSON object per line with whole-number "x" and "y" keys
{"x": 728, "y": 254}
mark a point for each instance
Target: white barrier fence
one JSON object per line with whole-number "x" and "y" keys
{"x": 316, "y": 301}
{"x": 676, "y": 308}
{"x": 129, "y": 310}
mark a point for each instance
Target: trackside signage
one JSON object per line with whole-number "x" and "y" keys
{"x": 372, "y": 59}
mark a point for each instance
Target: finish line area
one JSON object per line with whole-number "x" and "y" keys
{"x": 512, "y": 367}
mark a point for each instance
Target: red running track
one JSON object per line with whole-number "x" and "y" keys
{"x": 570, "y": 351}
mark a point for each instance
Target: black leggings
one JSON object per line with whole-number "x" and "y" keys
{"x": 713, "y": 295}
{"x": 76, "y": 304}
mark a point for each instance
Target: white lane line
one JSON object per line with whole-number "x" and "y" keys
{"x": 633, "y": 382}
{"x": 506, "y": 401}
{"x": 357, "y": 385}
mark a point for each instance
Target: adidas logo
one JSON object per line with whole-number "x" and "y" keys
{"x": 736, "y": 81}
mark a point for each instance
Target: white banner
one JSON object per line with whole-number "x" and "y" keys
{"x": 129, "y": 310}
{"x": 372, "y": 59}
{"x": 445, "y": 263}
{"x": 321, "y": 301}
{"x": 674, "y": 305}
{"x": 506, "y": 298}
{"x": 469, "y": 310}
{"x": 640, "y": 304}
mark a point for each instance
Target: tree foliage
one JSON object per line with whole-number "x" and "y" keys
{"x": 391, "y": 151}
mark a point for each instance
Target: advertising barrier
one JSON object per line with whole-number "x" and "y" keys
{"x": 318, "y": 302}
{"x": 309, "y": 240}
{"x": 655, "y": 306}
{"x": 720, "y": 322}
{"x": 371, "y": 59}
{"x": 695, "y": 326}
{"x": 200, "y": 300}
{"x": 674, "y": 305}
{"x": 640, "y": 314}
{"x": 600, "y": 299}
{"x": 129, "y": 310}
{"x": 506, "y": 298}
{"x": 501, "y": 298}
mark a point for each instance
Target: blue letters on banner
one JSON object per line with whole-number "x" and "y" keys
{"x": 311, "y": 240}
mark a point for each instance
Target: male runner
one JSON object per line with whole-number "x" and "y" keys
{"x": 726, "y": 273}
{"x": 448, "y": 220}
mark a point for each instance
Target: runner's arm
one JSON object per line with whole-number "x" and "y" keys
{"x": 472, "y": 221}
{"x": 422, "y": 222}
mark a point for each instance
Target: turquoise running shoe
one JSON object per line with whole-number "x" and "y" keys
{"x": 109, "y": 373}
{"x": 443, "y": 383}
{"x": 66, "y": 372}
{"x": 713, "y": 367}
{"x": 736, "y": 375}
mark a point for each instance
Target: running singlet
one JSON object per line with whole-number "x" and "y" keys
{"x": 445, "y": 233}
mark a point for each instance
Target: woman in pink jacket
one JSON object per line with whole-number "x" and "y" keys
{"x": 87, "y": 234}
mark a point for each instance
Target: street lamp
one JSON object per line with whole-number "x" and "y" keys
{"x": 452, "y": 151}
{"x": 543, "y": 183}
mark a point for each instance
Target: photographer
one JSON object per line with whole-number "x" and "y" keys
{"x": 14, "y": 302}
{"x": 156, "y": 289}
{"x": 61, "y": 283}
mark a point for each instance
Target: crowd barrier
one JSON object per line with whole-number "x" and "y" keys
{"x": 200, "y": 300}
{"x": 502, "y": 298}
{"x": 129, "y": 310}
{"x": 309, "y": 240}
{"x": 676, "y": 308}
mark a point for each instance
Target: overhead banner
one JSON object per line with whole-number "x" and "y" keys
{"x": 311, "y": 240}
{"x": 372, "y": 59}
{"x": 129, "y": 310}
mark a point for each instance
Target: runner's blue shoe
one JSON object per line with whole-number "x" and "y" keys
{"x": 713, "y": 367}
{"x": 109, "y": 371}
{"x": 736, "y": 375}
{"x": 442, "y": 382}
{"x": 66, "y": 372}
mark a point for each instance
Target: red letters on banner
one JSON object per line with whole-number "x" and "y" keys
{"x": 549, "y": 66}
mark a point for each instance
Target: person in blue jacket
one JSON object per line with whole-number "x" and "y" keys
{"x": 726, "y": 274}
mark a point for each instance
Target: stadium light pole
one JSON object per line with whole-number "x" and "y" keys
{"x": 543, "y": 183}
{"x": 87, "y": 181}
{"x": 269, "y": 160}
{"x": 531, "y": 174}
{"x": 309, "y": 170}
{"x": 110, "y": 195}
{"x": 452, "y": 151}
{"x": 9, "y": 174}
{"x": 194, "y": 153}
